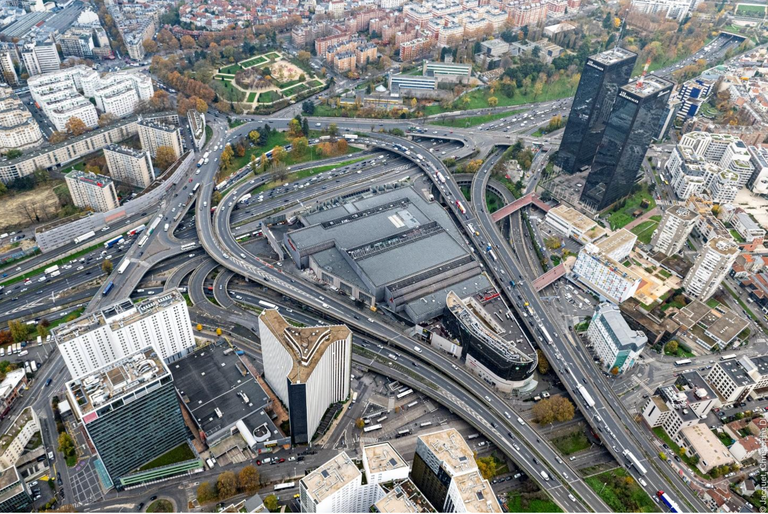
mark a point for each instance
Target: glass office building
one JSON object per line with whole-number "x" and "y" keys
{"x": 631, "y": 127}
{"x": 601, "y": 78}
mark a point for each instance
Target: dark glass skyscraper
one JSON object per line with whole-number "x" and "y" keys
{"x": 601, "y": 78}
{"x": 631, "y": 127}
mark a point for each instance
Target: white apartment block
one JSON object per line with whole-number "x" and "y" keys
{"x": 94, "y": 340}
{"x": 574, "y": 224}
{"x": 64, "y": 93}
{"x": 446, "y": 458}
{"x": 382, "y": 464}
{"x": 18, "y": 129}
{"x": 91, "y": 191}
{"x": 128, "y": 165}
{"x": 737, "y": 160}
{"x": 618, "y": 245}
{"x": 681, "y": 405}
{"x": 154, "y": 134}
{"x": 747, "y": 227}
{"x": 309, "y": 369}
{"x": 712, "y": 264}
{"x": 615, "y": 344}
{"x": 605, "y": 276}
{"x": 337, "y": 486}
{"x": 16, "y": 437}
{"x": 692, "y": 172}
{"x": 40, "y": 57}
{"x": 758, "y": 182}
{"x": 736, "y": 379}
{"x": 675, "y": 9}
{"x": 673, "y": 230}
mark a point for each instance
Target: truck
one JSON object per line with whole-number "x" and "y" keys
{"x": 52, "y": 269}
{"x": 123, "y": 266}
{"x": 245, "y": 198}
{"x": 668, "y": 501}
{"x": 587, "y": 398}
{"x": 108, "y": 289}
{"x": 206, "y": 154}
{"x": 200, "y": 162}
{"x": 354, "y": 397}
{"x": 112, "y": 242}
{"x": 634, "y": 462}
{"x": 350, "y": 137}
{"x": 84, "y": 237}
{"x": 166, "y": 227}
{"x": 137, "y": 230}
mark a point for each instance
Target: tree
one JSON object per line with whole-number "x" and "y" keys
{"x": 486, "y": 466}
{"x": 294, "y": 129}
{"x": 106, "y": 119}
{"x": 226, "y": 485}
{"x": 300, "y": 146}
{"x": 75, "y": 126}
{"x": 543, "y": 362}
{"x": 57, "y": 137}
{"x": 304, "y": 56}
{"x": 149, "y": 45}
{"x": 254, "y": 136}
{"x": 360, "y": 423}
{"x": 308, "y": 107}
{"x": 42, "y": 330}
{"x": 333, "y": 129}
{"x": 553, "y": 409}
{"x": 414, "y": 103}
{"x": 342, "y": 146}
{"x": 206, "y": 492}
{"x": 161, "y": 100}
{"x": 493, "y": 101}
{"x": 218, "y": 331}
{"x": 226, "y": 156}
{"x": 248, "y": 479}
{"x": 240, "y": 150}
{"x": 67, "y": 445}
{"x": 538, "y": 88}
{"x": 271, "y": 503}
{"x": 254, "y": 165}
{"x": 200, "y": 105}
{"x": 199, "y": 327}
{"x": 107, "y": 266}
{"x": 165, "y": 157}
{"x": 553, "y": 243}
{"x": 278, "y": 155}
{"x": 187, "y": 42}
{"x": 19, "y": 330}
{"x": 305, "y": 127}
{"x": 672, "y": 347}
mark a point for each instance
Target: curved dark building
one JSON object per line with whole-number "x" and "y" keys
{"x": 505, "y": 364}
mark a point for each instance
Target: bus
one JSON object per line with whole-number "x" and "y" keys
{"x": 473, "y": 436}
{"x": 187, "y": 246}
{"x": 287, "y": 485}
{"x": 683, "y": 362}
{"x": 267, "y": 305}
{"x": 383, "y": 418}
{"x": 194, "y": 189}
{"x": 52, "y": 269}
{"x": 221, "y": 185}
{"x": 403, "y": 432}
{"x": 728, "y": 357}
{"x": 405, "y": 393}
{"x": 412, "y": 404}
{"x": 426, "y": 424}
{"x": 123, "y": 266}
{"x": 440, "y": 177}
{"x": 143, "y": 241}
{"x": 112, "y": 242}
{"x": 108, "y": 289}
{"x": 587, "y": 397}
{"x": 372, "y": 428}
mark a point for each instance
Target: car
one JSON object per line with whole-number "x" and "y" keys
{"x": 140, "y": 507}
{"x": 281, "y": 461}
{"x": 153, "y": 498}
{"x": 258, "y": 462}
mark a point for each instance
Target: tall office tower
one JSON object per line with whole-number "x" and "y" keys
{"x": 40, "y": 57}
{"x": 13, "y": 491}
{"x": 94, "y": 340}
{"x": 445, "y": 471}
{"x": 673, "y": 230}
{"x": 601, "y": 78}
{"x": 128, "y": 165}
{"x": 308, "y": 369}
{"x": 616, "y": 345}
{"x": 130, "y": 411}
{"x": 8, "y": 54}
{"x": 92, "y": 191}
{"x": 630, "y": 129}
{"x": 710, "y": 268}
{"x": 154, "y": 134}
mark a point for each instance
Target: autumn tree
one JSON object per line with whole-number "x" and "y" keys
{"x": 549, "y": 410}
{"x": 19, "y": 330}
{"x": 239, "y": 150}
{"x": 672, "y": 347}
{"x": 226, "y": 485}
{"x": 75, "y": 126}
{"x": 493, "y": 101}
{"x": 67, "y": 445}
{"x": 42, "y": 330}
{"x": 294, "y": 129}
{"x": 254, "y": 135}
{"x": 206, "y": 492}
{"x": 57, "y": 137}
{"x": 149, "y": 45}
{"x": 304, "y": 56}
{"x": 187, "y": 42}
{"x": 271, "y": 503}
{"x": 543, "y": 362}
{"x": 360, "y": 423}
{"x": 226, "y": 156}
{"x": 199, "y": 327}
{"x": 161, "y": 101}
{"x": 333, "y": 129}
{"x": 107, "y": 266}
{"x": 300, "y": 146}
{"x": 106, "y": 119}
{"x": 486, "y": 466}
{"x": 164, "y": 157}
{"x": 248, "y": 479}
{"x": 278, "y": 155}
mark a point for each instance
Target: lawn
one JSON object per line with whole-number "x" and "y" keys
{"x": 253, "y": 62}
{"x": 231, "y": 69}
{"x": 750, "y": 9}
{"x": 265, "y": 97}
{"x": 621, "y": 214}
{"x": 251, "y": 97}
{"x": 736, "y": 235}
{"x": 294, "y": 90}
{"x": 681, "y": 352}
{"x": 472, "y": 121}
{"x": 493, "y": 202}
{"x": 530, "y": 502}
{"x": 273, "y": 55}
{"x": 314, "y": 83}
{"x": 713, "y": 303}
{"x": 160, "y": 506}
{"x": 644, "y": 231}
{"x": 620, "y": 491}
{"x": 572, "y": 443}
{"x": 179, "y": 454}
{"x": 478, "y": 99}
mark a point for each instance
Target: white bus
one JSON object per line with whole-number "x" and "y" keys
{"x": 426, "y": 424}
{"x": 123, "y": 266}
{"x": 372, "y": 428}
{"x": 728, "y": 357}
{"x": 267, "y": 305}
{"x": 188, "y": 246}
{"x": 683, "y": 362}
{"x": 405, "y": 393}
{"x": 287, "y": 485}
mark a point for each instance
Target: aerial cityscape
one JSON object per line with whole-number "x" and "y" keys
{"x": 349, "y": 256}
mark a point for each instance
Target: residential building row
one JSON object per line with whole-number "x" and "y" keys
{"x": 18, "y": 129}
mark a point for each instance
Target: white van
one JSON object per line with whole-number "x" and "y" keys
{"x": 520, "y": 420}
{"x": 417, "y": 349}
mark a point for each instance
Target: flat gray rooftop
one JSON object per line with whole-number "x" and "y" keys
{"x": 429, "y": 304}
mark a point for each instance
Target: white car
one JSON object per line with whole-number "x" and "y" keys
{"x": 80, "y": 268}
